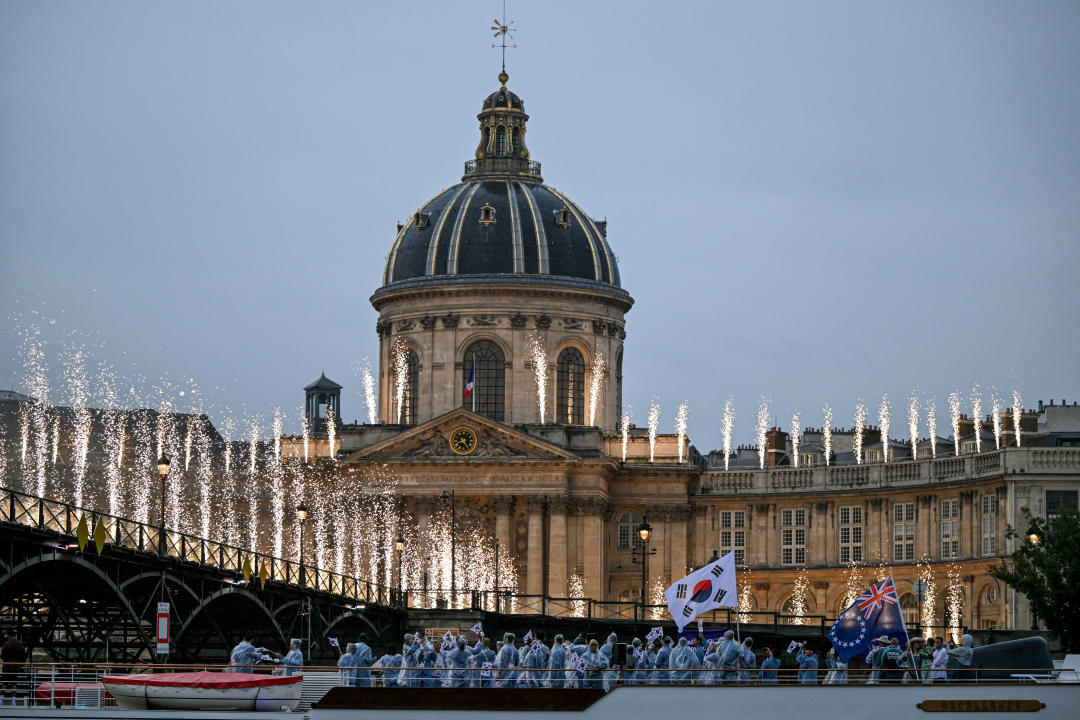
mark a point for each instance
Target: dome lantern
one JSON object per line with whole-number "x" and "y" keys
{"x": 502, "y": 151}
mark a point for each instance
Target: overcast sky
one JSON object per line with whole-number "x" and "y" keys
{"x": 816, "y": 202}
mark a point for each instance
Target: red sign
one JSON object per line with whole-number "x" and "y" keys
{"x": 163, "y": 628}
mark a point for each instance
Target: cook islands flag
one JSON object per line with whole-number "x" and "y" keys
{"x": 874, "y": 613}
{"x": 706, "y": 589}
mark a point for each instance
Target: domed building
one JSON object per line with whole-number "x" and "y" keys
{"x": 484, "y": 271}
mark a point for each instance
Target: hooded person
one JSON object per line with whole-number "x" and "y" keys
{"x": 729, "y": 658}
{"x": 506, "y": 660}
{"x": 608, "y": 648}
{"x": 426, "y": 664}
{"x": 410, "y": 660}
{"x": 684, "y": 663}
{"x": 963, "y": 655}
{"x": 345, "y": 662}
{"x": 294, "y": 659}
{"x": 663, "y": 662}
{"x": 592, "y": 663}
{"x": 557, "y": 663}
{"x": 638, "y": 660}
{"x": 747, "y": 661}
{"x": 711, "y": 665}
{"x": 362, "y": 661}
{"x": 390, "y": 663}
{"x": 482, "y": 653}
{"x": 243, "y": 657}
{"x": 458, "y": 662}
{"x": 535, "y": 664}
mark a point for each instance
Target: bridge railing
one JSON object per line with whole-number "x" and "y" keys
{"x": 65, "y": 519}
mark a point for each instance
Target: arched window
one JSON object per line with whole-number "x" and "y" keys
{"x": 910, "y": 609}
{"x": 628, "y": 523}
{"x": 517, "y": 141}
{"x": 500, "y": 141}
{"x": 570, "y": 392}
{"x": 488, "y": 396}
{"x": 410, "y": 395}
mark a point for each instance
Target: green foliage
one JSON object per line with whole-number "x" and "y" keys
{"x": 1048, "y": 573}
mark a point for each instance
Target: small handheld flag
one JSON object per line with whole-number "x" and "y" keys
{"x": 485, "y": 669}
{"x": 700, "y": 626}
{"x": 654, "y": 634}
{"x": 333, "y": 642}
{"x": 478, "y": 629}
{"x": 792, "y": 645}
{"x": 527, "y": 638}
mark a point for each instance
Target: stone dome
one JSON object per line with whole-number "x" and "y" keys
{"x": 501, "y": 222}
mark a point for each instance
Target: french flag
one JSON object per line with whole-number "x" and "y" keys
{"x": 472, "y": 376}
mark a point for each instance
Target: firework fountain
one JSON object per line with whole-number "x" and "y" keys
{"x": 794, "y": 433}
{"x": 624, "y": 429}
{"x": 654, "y": 424}
{"x": 931, "y": 427}
{"x": 826, "y": 433}
{"x": 953, "y": 596}
{"x": 976, "y": 417}
{"x": 927, "y": 608}
{"x": 78, "y": 395}
{"x": 576, "y": 588}
{"x": 680, "y": 427}
{"x": 954, "y": 418}
{"x": 540, "y": 371}
{"x": 746, "y": 596}
{"x": 596, "y": 384}
{"x": 1017, "y": 413}
{"x": 400, "y": 359}
{"x": 854, "y": 583}
{"x": 995, "y": 410}
{"x": 331, "y": 432}
{"x": 913, "y": 424}
{"x": 368, "y": 381}
{"x": 884, "y": 422}
{"x": 798, "y": 597}
{"x": 727, "y": 427}
{"x": 761, "y": 429}
{"x": 860, "y": 425}
{"x": 277, "y": 486}
{"x": 204, "y": 474}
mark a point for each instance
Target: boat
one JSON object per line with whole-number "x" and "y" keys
{"x": 205, "y": 691}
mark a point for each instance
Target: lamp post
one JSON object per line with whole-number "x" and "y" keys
{"x": 399, "y": 545}
{"x": 163, "y": 474}
{"x": 448, "y": 496}
{"x": 644, "y": 532}
{"x": 301, "y": 516}
{"x": 1032, "y": 536}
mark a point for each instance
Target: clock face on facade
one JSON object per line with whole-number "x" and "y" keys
{"x": 462, "y": 441}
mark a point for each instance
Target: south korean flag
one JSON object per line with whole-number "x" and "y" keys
{"x": 711, "y": 587}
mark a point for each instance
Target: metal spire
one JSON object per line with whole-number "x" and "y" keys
{"x": 506, "y": 31}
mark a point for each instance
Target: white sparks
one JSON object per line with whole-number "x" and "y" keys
{"x": 913, "y": 424}
{"x": 860, "y": 425}
{"x": 798, "y": 597}
{"x": 953, "y": 599}
{"x": 78, "y": 394}
{"x": 681, "y": 415}
{"x": 331, "y": 431}
{"x": 794, "y": 433}
{"x": 624, "y": 429}
{"x": 599, "y": 370}
{"x": 762, "y": 429}
{"x": 727, "y": 427}
{"x": 654, "y": 424}
{"x": 931, "y": 427}
{"x": 204, "y": 472}
{"x": 927, "y": 606}
{"x": 995, "y": 410}
{"x": 305, "y": 430}
{"x": 954, "y": 418}
{"x": 368, "y": 381}
{"x": 279, "y": 425}
{"x": 884, "y": 421}
{"x": 540, "y": 372}
{"x": 400, "y": 358}
{"x": 1017, "y": 413}
{"x": 976, "y": 417}
{"x": 826, "y": 433}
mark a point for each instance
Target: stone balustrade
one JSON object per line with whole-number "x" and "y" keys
{"x": 898, "y": 474}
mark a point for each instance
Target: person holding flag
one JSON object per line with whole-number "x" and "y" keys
{"x": 875, "y": 613}
{"x": 708, "y": 588}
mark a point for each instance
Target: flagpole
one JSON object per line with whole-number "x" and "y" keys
{"x": 473, "y": 393}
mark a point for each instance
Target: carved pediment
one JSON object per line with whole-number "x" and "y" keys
{"x": 482, "y": 439}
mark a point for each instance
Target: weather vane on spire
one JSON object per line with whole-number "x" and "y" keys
{"x": 504, "y": 30}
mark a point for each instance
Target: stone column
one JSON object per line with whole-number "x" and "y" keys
{"x": 592, "y": 547}
{"x": 534, "y": 584}
{"x": 701, "y": 534}
{"x": 679, "y": 514}
{"x": 766, "y": 537}
{"x": 503, "y": 508}
{"x": 875, "y": 516}
{"x": 556, "y": 576}
{"x": 968, "y": 522}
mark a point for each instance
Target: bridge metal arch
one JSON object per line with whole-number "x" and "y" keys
{"x": 359, "y": 616}
{"x": 106, "y": 581}
{"x": 224, "y": 592}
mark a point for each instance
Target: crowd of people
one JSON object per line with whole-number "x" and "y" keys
{"x": 450, "y": 661}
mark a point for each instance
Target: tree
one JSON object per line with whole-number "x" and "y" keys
{"x": 1045, "y": 568}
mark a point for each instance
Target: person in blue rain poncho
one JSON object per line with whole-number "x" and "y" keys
{"x": 345, "y": 662}
{"x": 808, "y": 665}
{"x": 293, "y": 659}
{"x": 698, "y": 646}
{"x": 747, "y": 661}
{"x": 506, "y": 662}
{"x": 534, "y": 665}
{"x": 608, "y": 648}
{"x": 482, "y": 653}
{"x": 663, "y": 662}
{"x": 243, "y": 656}
{"x": 684, "y": 661}
{"x": 390, "y": 664}
{"x": 591, "y": 665}
{"x": 711, "y": 676}
{"x": 557, "y": 664}
{"x": 427, "y": 661}
{"x": 410, "y": 658}
{"x": 362, "y": 661}
{"x": 769, "y": 666}
{"x": 459, "y": 662}
{"x": 729, "y": 658}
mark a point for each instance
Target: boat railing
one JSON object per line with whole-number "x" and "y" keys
{"x": 80, "y": 684}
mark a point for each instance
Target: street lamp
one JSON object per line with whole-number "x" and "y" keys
{"x": 448, "y": 497}
{"x": 1033, "y": 536}
{"x": 163, "y": 473}
{"x": 644, "y": 532}
{"x": 301, "y": 515}
{"x": 399, "y": 545}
